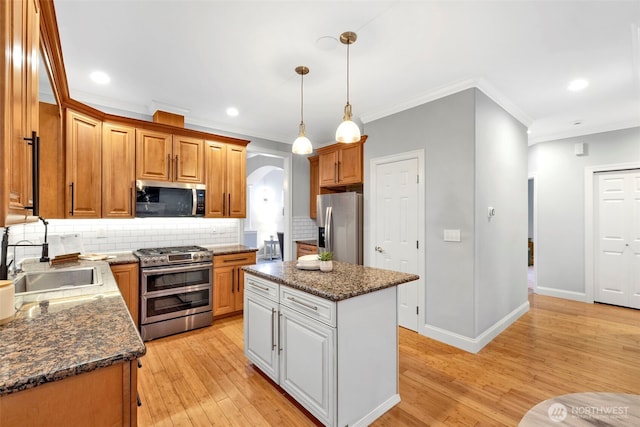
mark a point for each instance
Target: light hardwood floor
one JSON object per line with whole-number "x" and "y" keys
{"x": 202, "y": 378}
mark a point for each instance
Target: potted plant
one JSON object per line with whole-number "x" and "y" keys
{"x": 326, "y": 263}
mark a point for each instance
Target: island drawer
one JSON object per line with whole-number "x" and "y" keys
{"x": 313, "y": 306}
{"x": 262, "y": 287}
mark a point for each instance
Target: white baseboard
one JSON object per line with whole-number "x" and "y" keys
{"x": 378, "y": 412}
{"x": 561, "y": 293}
{"x": 474, "y": 345}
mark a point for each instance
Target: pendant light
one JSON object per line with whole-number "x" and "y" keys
{"x": 348, "y": 131}
{"x": 302, "y": 145}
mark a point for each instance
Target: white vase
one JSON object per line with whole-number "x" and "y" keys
{"x": 326, "y": 265}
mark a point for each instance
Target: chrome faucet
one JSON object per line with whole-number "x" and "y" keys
{"x": 4, "y": 267}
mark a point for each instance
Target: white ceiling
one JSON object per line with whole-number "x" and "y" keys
{"x": 197, "y": 58}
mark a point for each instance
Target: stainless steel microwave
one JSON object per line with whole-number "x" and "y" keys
{"x": 169, "y": 199}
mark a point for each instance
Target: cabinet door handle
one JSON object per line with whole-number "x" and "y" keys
{"x": 169, "y": 166}
{"x": 131, "y": 201}
{"x": 273, "y": 329}
{"x": 34, "y": 141}
{"x": 233, "y": 281}
{"x": 238, "y": 281}
{"x": 224, "y": 203}
{"x": 339, "y": 172}
{"x": 177, "y": 168}
{"x": 229, "y": 205}
{"x": 264, "y": 288}
{"x": 72, "y": 201}
{"x": 335, "y": 172}
{"x": 234, "y": 259}
{"x": 302, "y": 303}
{"x": 279, "y": 335}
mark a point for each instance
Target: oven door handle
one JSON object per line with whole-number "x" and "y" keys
{"x": 176, "y": 269}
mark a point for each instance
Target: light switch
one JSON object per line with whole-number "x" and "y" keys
{"x": 451, "y": 235}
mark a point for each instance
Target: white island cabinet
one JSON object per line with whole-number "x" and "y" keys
{"x": 337, "y": 356}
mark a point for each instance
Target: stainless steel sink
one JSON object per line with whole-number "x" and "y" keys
{"x": 54, "y": 280}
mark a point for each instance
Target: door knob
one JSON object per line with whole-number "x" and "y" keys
{"x": 379, "y": 249}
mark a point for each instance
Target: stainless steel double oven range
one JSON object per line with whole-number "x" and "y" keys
{"x": 176, "y": 290}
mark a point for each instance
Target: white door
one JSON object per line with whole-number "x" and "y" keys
{"x": 617, "y": 269}
{"x": 396, "y": 230}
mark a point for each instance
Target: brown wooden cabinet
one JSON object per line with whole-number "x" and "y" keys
{"x": 314, "y": 185}
{"x": 83, "y": 166}
{"x": 19, "y": 39}
{"x": 341, "y": 164}
{"x": 105, "y": 396}
{"x": 305, "y": 249}
{"x": 118, "y": 170}
{"x": 226, "y": 180}
{"x": 126, "y": 276}
{"x": 164, "y": 157}
{"x": 228, "y": 282}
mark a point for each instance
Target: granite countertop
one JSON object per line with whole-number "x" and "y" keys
{"x": 122, "y": 258}
{"x": 312, "y": 242}
{"x": 78, "y": 331}
{"x": 345, "y": 281}
{"x": 230, "y": 249}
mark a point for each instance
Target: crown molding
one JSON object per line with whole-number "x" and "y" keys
{"x": 582, "y": 131}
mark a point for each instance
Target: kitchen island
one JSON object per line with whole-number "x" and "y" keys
{"x": 330, "y": 340}
{"x": 70, "y": 356}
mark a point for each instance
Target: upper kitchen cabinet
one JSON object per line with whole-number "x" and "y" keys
{"x": 314, "y": 185}
{"x": 226, "y": 180}
{"x": 118, "y": 170}
{"x": 19, "y": 38}
{"x": 341, "y": 164}
{"x": 165, "y": 157}
{"x": 83, "y": 166}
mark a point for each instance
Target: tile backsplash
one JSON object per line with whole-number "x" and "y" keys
{"x": 304, "y": 228}
{"x": 122, "y": 235}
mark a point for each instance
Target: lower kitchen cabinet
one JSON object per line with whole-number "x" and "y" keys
{"x": 126, "y": 276}
{"x": 228, "y": 282}
{"x": 103, "y": 397}
{"x": 337, "y": 359}
{"x": 305, "y": 249}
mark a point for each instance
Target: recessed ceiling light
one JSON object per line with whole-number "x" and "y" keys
{"x": 578, "y": 84}
{"x": 528, "y": 131}
{"x": 232, "y": 111}
{"x": 100, "y": 77}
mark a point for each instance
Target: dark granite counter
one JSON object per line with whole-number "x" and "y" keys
{"x": 230, "y": 249}
{"x": 308, "y": 242}
{"x": 122, "y": 258}
{"x": 76, "y": 331}
{"x": 345, "y": 281}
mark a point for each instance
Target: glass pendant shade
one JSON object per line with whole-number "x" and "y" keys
{"x": 347, "y": 131}
{"x": 302, "y": 145}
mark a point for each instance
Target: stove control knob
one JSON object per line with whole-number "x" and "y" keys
{"x": 163, "y": 259}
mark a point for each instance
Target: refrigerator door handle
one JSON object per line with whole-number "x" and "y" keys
{"x": 328, "y": 235}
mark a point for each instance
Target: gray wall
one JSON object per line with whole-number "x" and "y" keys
{"x": 560, "y": 181}
{"x": 475, "y": 157}
{"x": 501, "y": 242}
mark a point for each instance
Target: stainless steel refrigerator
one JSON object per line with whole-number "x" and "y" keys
{"x": 339, "y": 220}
